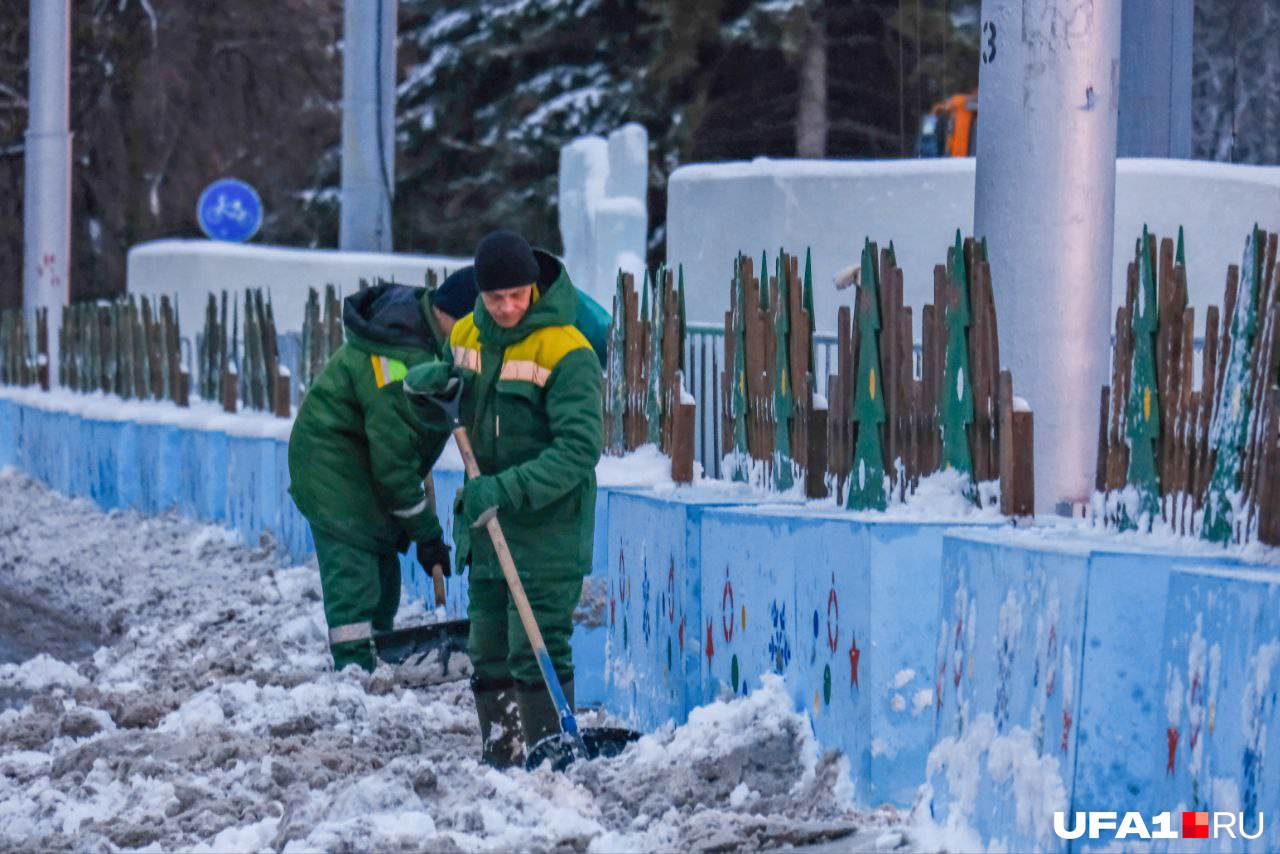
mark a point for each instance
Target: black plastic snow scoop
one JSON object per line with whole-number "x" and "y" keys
{"x": 428, "y": 654}
{"x": 570, "y": 743}
{"x": 432, "y": 653}
{"x": 603, "y": 742}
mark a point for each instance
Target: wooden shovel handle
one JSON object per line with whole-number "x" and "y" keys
{"x": 500, "y": 546}
{"x": 437, "y": 571}
{"x": 437, "y": 581}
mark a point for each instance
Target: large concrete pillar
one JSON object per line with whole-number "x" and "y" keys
{"x": 1155, "y": 78}
{"x": 368, "y": 124}
{"x": 1045, "y": 202}
{"x": 46, "y": 259}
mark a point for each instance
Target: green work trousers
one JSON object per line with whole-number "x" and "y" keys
{"x": 361, "y": 596}
{"x": 498, "y": 645}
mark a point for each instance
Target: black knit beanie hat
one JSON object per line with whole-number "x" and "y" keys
{"x": 456, "y": 297}
{"x": 504, "y": 260}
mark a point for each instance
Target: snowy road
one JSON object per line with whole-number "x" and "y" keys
{"x": 207, "y": 721}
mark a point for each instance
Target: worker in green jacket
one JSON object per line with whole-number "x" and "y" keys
{"x": 531, "y": 403}
{"x": 358, "y": 457}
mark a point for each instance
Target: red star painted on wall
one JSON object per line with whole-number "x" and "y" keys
{"x": 854, "y": 655}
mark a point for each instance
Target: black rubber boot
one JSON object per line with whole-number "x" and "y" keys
{"x": 497, "y": 708}
{"x": 538, "y": 715}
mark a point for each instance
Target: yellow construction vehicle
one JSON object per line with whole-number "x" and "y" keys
{"x": 950, "y": 129}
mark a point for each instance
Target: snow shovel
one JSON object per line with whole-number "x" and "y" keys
{"x": 570, "y": 743}
{"x": 425, "y": 655}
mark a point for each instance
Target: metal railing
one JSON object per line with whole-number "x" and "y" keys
{"x": 704, "y": 362}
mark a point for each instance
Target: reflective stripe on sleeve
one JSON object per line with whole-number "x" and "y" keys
{"x": 351, "y": 632}
{"x": 387, "y": 370}
{"x": 411, "y": 511}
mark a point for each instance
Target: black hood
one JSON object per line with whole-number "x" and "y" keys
{"x": 549, "y": 269}
{"x": 388, "y": 314}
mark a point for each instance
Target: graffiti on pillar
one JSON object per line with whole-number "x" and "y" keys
{"x": 47, "y": 272}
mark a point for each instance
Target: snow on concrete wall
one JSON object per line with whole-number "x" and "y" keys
{"x": 604, "y": 215}
{"x": 1120, "y": 754}
{"x": 193, "y": 269}
{"x": 1007, "y": 681}
{"x": 715, "y": 211}
{"x": 1217, "y": 742}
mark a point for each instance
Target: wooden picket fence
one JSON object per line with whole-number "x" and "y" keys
{"x": 321, "y": 334}
{"x": 768, "y": 381}
{"x": 127, "y": 347}
{"x": 646, "y": 401}
{"x": 24, "y": 348}
{"x": 248, "y": 374}
{"x": 1199, "y": 450}
{"x": 880, "y": 421}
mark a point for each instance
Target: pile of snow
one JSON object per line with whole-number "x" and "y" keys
{"x": 210, "y": 722}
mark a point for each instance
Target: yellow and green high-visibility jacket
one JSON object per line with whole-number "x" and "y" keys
{"x": 532, "y": 406}
{"x": 357, "y": 456}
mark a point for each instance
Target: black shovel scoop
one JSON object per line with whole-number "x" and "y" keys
{"x": 434, "y": 652}
{"x": 570, "y": 743}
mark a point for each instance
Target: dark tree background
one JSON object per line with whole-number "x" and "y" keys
{"x": 168, "y": 95}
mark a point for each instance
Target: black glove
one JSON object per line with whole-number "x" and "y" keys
{"x": 427, "y": 382}
{"x": 434, "y": 553}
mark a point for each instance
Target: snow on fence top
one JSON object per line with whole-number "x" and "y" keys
{"x": 1200, "y": 461}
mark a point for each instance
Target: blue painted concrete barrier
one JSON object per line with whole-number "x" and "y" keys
{"x": 655, "y": 640}
{"x": 1053, "y": 681}
{"x": 845, "y": 609}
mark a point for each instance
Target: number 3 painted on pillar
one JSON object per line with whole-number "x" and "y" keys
{"x": 989, "y": 52}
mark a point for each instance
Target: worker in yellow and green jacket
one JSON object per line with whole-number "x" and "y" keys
{"x": 532, "y": 407}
